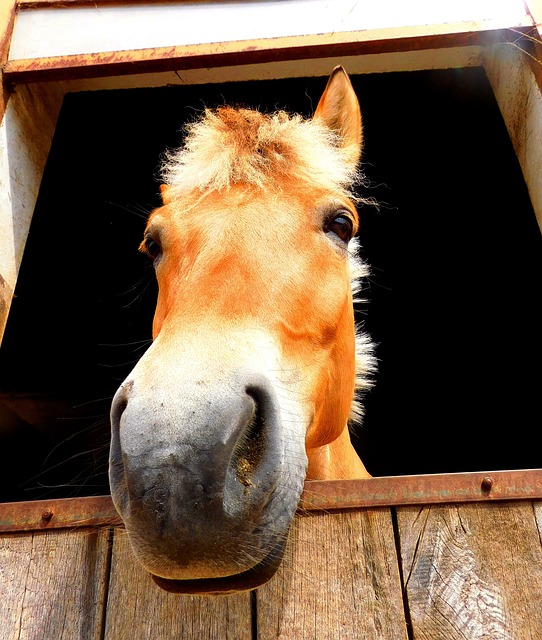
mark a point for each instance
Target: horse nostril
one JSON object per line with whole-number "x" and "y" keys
{"x": 250, "y": 446}
{"x": 119, "y": 404}
{"x": 117, "y": 477}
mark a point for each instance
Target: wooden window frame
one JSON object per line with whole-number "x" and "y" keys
{"x": 66, "y": 563}
{"x": 33, "y": 95}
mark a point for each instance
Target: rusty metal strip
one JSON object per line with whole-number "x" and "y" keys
{"x": 161, "y": 59}
{"x": 317, "y": 496}
{"x": 58, "y": 514}
{"x": 423, "y": 489}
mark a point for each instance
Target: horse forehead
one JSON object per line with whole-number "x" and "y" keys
{"x": 266, "y": 238}
{"x": 248, "y": 211}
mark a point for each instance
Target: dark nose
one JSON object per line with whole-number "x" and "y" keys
{"x": 217, "y": 455}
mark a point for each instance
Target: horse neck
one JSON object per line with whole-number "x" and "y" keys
{"x": 337, "y": 460}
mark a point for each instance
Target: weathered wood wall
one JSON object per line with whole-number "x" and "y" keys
{"x": 431, "y": 572}
{"x": 473, "y": 571}
{"x": 53, "y": 584}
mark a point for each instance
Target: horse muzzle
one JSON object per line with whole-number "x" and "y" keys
{"x": 205, "y": 477}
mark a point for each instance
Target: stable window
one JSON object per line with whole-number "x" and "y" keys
{"x": 454, "y": 248}
{"x": 451, "y": 102}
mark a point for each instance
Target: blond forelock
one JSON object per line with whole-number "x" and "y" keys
{"x": 228, "y": 147}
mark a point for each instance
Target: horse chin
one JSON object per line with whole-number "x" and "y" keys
{"x": 245, "y": 581}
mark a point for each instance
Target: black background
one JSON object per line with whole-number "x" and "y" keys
{"x": 452, "y": 302}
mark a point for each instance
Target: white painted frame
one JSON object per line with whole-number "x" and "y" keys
{"x": 65, "y": 31}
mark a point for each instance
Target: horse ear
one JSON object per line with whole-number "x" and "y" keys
{"x": 165, "y": 193}
{"x": 339, "y": 110}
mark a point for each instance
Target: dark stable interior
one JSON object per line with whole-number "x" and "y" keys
{"x": 452, "y": 302}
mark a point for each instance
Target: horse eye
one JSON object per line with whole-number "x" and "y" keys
{"x": 342, "y": 226}
{"x": 151, "y": 247}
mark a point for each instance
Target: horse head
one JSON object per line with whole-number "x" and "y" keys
{"x": 249, "y": 384}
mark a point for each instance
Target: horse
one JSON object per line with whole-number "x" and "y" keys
{"x": 252, "y": 377}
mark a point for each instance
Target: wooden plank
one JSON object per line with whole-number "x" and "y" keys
{"x": 137, "y": 608}
{"x": 26, "y": 133}
{"x": 67, "y": 31}
{"x": 339, "y": 579}
{"x": 519, "y": 96}
{"x": 199, "y": 56}
{"x": 472, "y": 571}
{"x": 7, "y": 21}
{"x": 37, "y": 4}
{"x": 53, "y": 585}
{"x": 443, "y": 58}
{"x": 449, "y": 58}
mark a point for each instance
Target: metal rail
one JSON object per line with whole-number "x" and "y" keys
{"x": 331, "y": 495}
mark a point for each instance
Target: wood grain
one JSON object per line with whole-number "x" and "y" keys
{"x": 472, "y": 571}
{"x": 537, "y": 505}
{"x": 517, "y": 85}
{"x": 339, "y": 580}
{"x": 53, "y": 585}
{"x": 224, "y": 54}
{"x": 7, "y": 20}
{"x": 139, "y": 610}
{"x": 26, "y": 133}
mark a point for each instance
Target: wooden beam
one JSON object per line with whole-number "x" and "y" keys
{"x": 26, "y": 132}
{"x": 133, "y": 596}
{"x": 75, "y": 29}
{"x": 445, "y": 58}
{"x": 339, "y": 579}
{"x": 472, "y": 571}
{"x": 517, "y": 86}
{"x": 54, "y": 584}
{"x": 115, "y": 63}
{"x": 7, "y": 20}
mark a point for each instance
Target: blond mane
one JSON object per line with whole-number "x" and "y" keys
{"x": 365, "y": 359}
{"x": 229, "y": 147}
